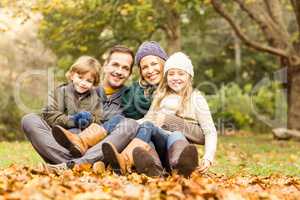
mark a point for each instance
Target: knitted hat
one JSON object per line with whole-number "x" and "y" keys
{"x": 150, "y": 48}
{"x": 181, "y": 61}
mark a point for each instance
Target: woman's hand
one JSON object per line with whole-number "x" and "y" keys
{"x": 204, "y": 165}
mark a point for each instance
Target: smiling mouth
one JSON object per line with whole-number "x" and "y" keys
{"x": 153, "y": 77}
{"x": 82, "y": 88}
{"x": 176, "y": 84}
{"x": 117, "y": 77}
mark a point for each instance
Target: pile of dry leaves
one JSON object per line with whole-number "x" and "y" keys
{"x": 84, "y": 183}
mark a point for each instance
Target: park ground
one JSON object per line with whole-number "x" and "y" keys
{"x": 247, "y": 166}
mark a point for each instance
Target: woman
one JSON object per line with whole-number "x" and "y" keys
{"x": 150, "y": 59}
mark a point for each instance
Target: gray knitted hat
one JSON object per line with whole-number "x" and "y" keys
{"x": 150, "y": 48}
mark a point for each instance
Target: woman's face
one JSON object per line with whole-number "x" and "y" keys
{"x": 151, "y": 69}
{"x": 177, "y": 79}
{"x": 82, "y": 82}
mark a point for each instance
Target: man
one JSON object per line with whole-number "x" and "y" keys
{"x": 117, "y": 69}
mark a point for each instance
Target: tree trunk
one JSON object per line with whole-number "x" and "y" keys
{"x": 173, "y": 33}
{"x": 238, "y": 58}
{"x": 294, "y": 98}
{"x": 174, "y": 41}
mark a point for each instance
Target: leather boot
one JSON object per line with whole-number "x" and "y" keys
{"x": 122, "y": 162}
{"x": 147, "y": 161}
{"x": 78, "y": 144}
{"x": 183, "y": 157}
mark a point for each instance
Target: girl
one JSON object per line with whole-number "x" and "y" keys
{"x": 76, "y": 107}
{"x": 174, "y": 97}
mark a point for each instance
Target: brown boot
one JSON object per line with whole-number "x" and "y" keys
{"x": 122, "y": 162}
{"x": 183, "y": 157}
{"x": 78, "y": 144}
{"x": 147, "y": 161}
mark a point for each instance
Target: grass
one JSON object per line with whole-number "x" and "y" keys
{"x": 257, "y": 155}
{"x": 18, "y": 153}
{"x": 241, "y": 154}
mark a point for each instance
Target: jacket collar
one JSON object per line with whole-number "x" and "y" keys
{"x": 113, "y": 96}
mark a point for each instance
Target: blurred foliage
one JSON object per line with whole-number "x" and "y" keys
{"x": 247, "y": 107}
{"x": 71, "y": 28}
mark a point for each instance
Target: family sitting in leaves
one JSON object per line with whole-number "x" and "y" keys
{"x": 148, "y": 126}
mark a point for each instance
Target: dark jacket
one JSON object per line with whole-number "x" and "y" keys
{"x": 111, "y": 105}
{"x": 137, "y": 100}
{"x": 64, "y": 101}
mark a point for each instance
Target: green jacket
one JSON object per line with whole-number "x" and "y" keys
{"x": 136, "y": 100}
{"x": 64, "y": 101}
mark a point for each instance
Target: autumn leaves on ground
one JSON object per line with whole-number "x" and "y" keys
{"x": 247, "y": 167}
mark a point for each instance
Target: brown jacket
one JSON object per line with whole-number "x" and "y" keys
{"x": 64, "y": 101}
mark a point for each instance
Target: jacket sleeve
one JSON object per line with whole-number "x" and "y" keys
{"x": 206, "y": 122}
{"x": 98, "y": 112}
{"x": 128, "y": 105}
{"x": 53, "y": 113}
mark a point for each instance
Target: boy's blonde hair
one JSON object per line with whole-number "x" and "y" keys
{"x": 86, "y": 64}
{"x": 164, "y": 90}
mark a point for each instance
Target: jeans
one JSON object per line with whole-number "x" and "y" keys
{"x": 161, "y": 139}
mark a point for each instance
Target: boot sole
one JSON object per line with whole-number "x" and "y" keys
{"x": 64, "y": 141}
{"x": 144, "y": 163}
{"x": 110, "y": 155}
{"x": 188, "y": 161}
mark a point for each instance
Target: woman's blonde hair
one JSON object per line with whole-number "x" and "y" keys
{"x": 164, "y": 90}
{"x": 86, "y": 64}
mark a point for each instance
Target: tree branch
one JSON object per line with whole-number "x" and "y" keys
{"x": 220, "y": 9}
{"x": 296, "y": 7}
{"x": 275, "y": 34}
{"x": 275, "y": 12}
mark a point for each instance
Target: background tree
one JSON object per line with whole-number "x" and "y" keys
{"x": 281, "y": 39}
{"x": 72, "y": 28}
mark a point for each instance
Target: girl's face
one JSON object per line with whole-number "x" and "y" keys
{"x": 177, "y": 79}
{"x": 151, "y": 69}
{"x": 82, "y": 82}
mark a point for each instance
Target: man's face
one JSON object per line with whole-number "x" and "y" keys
{"x": 118, "y": 69}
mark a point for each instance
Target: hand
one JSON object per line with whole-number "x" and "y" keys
{"x": 204, "y": 165}
{"x": 82, "y": 119}
{"x": 83, "y": 123}
{"x": 85, "y": 115}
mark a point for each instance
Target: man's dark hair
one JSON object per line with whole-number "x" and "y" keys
{"x": 121, "y": 49}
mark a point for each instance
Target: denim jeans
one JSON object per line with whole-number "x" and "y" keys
{"x": 161, "y": 139}
{"x": 109, "y": 125}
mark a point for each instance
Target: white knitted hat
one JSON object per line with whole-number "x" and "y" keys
{"x": 181, "y": 61}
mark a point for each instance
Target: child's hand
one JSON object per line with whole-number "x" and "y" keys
{"x": 83, "y": 123}
{"x": 82, "y": 119}
{"x": 204, "y": 165}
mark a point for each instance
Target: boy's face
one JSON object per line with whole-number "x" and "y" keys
{"x": 177, "y": 79}
{"x": 82, "y": 82}
{"x": 151, "y": 69}
{"x": 118, "y": 69}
